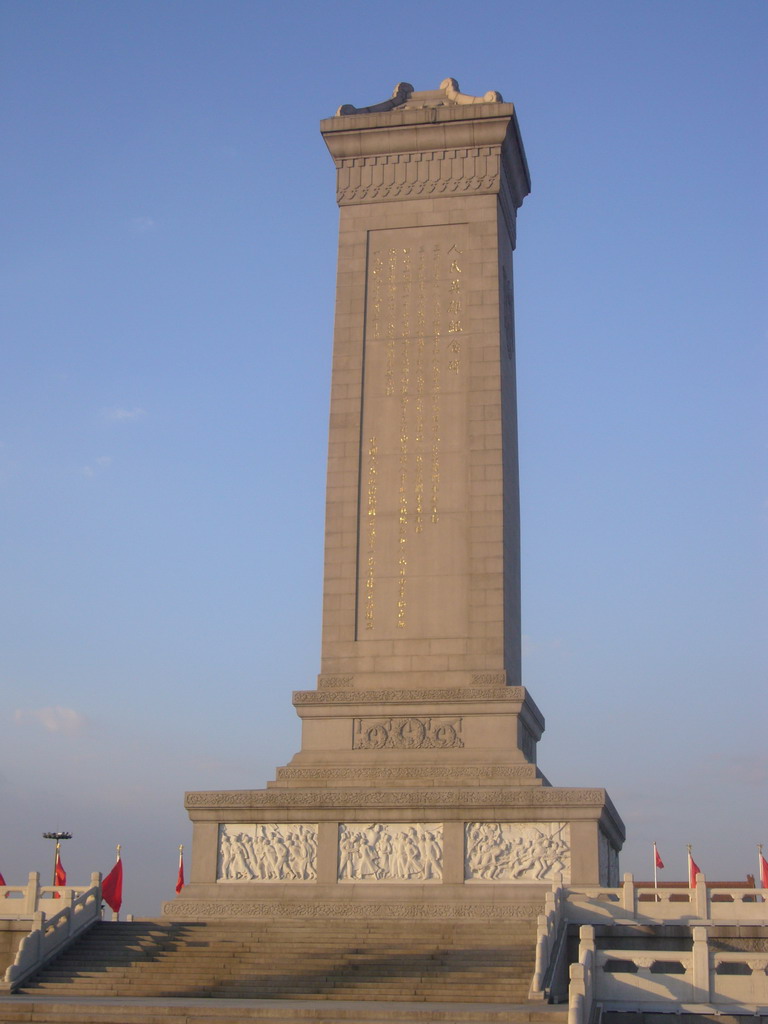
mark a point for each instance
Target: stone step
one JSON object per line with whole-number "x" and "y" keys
{"x": 337, "y": 960}
{"x": 278, "y": 983}
{"x": 15, "y": 1009}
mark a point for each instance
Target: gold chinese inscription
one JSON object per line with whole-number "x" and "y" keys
{"x": 416, "y": 322}
{"x": 370, "y": 529}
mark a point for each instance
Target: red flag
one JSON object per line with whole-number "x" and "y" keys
{"x": 59, "y": 874}
{"x": 763, "y": 872}
{"x": 180, "y": 879}
{"x": 112, "y": 887}
{"x": 657, "y": 859}
{"x": 2, "y": 880}
{"x": 693, "y": 870}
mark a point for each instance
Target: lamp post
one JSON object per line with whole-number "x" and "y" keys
{"x": 58, "y": 836}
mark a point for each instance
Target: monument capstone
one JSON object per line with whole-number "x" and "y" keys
{"x": 416, "y": 791}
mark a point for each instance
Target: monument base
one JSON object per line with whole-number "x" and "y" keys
{"x": 414, "y": 815}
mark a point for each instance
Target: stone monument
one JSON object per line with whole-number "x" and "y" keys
{"x": 416, "y": 791}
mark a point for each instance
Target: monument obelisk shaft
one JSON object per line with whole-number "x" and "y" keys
{"x": 422, "y": 582}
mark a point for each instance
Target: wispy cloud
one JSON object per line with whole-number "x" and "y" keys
{"x": 101, "y": 463}
{"x": 53, "y": 719}
{"x": 141, "y": 225}
{"x": 120, "y": 415}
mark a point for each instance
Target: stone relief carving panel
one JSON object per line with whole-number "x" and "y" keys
{"x": 407, "y": 733}
{"x": 517, "y": 852}
{"x": 390, "y": 853}
{"x": 267, "y": 853}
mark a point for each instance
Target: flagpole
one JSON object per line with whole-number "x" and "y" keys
{"x": 760, "y": 864}
{"x": 180, "y": 878}
{"x": 655, "y": 860}
{"x": 691, "y": 881}
{"x": 116, "y": 913}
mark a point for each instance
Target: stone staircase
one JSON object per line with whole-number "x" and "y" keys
{"x": 467, "y": 965}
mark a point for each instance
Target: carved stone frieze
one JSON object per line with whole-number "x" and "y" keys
{"x": 388, "y": 910}
{"x": 517, "y": 851}
{"x": 407, "y": 733}
{"x": 333, "y": 682}
{"x": 510, "y": 694}
{"x": 492, "y": 679}
{"x": 511, "y": 773}
{"x": 440, "y": 172}
{"x": 390, "y": 853}
{"x": 267, "y": 853}
{"x": 468, "y": 797}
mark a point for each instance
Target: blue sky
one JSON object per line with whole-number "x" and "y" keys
{"x": 168, "y": 263}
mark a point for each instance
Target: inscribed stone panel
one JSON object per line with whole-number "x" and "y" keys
{"x": 413, "y": 555}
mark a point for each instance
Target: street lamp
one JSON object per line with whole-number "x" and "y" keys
{"x": 58, "y": 836}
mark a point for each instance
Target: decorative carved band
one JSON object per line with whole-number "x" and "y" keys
{"x": 454, "y": 797}
{"x": 517, "y": 852}
{"x": 510, "y": 694}
{"x": 498, "y": 773}
{"x": 390, "y": 853}
{"x": 333, "y": 682}
{"x": 492, "y": 679}
{"x": 407, "y": 733}
{"x": 201, "y": 909}
{"x": 402, "y": 175}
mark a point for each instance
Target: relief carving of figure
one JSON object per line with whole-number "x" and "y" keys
{"x": 267, "y": 853}
{"x": 378, "y": 852}
{"x": 517, "y": 852}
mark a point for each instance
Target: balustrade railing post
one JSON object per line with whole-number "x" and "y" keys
{"x": 33, "y": 893}
{"x": 701, "y": 898}
{"x": 629, "y": 901}
{"x": 701, "y": 978}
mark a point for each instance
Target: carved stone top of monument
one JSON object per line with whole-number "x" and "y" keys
{"x": 435, "y": 130}
{"x": 406, "y": 98}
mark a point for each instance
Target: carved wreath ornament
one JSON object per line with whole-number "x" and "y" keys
{"x": 407, "y": 733}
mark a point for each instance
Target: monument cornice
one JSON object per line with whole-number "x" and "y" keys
{"x": 412, "y": 773}
{"x": 420, "y": 131}
{"x": 470, "y": 797}
{"x": 454, "y": 694}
